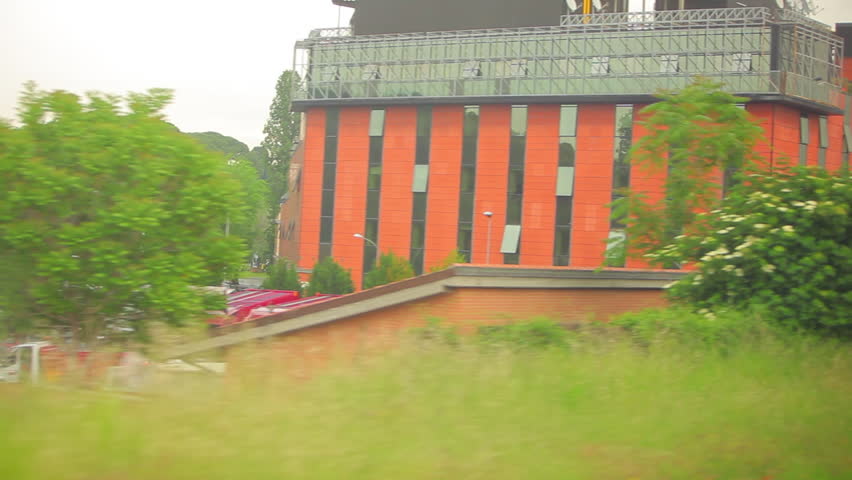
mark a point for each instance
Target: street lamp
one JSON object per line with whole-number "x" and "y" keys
{"x": 488, "y": 238}
{"x": 362, "y": 237}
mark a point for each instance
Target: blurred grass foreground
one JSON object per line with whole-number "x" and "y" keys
{"x": 598, "y": 404}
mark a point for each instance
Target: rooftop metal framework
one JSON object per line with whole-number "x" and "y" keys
{"x": 756, "y": 52}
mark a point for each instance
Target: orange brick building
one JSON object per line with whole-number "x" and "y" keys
{"x": 507, "y": 142}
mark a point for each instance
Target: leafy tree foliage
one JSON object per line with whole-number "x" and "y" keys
{"x": 281, "y": 134}
{"x": 108, "y": 215}
{"x": 696, "y": 134}
{"x": 248, "y": 167}
{"x": 779, "y": 242}
{"x": 282, "y": 275}
{"x": 453, "y": 258}
{"x": 329, "y": 277}
{"x": 215, "y": 141}
{"x": 390, "y": 268}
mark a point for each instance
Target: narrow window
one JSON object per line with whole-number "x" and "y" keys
{"x": 823, "y": 140}
{"x": 565, "y": 184}
{"x": 468, "y": 181}
{"x": 669, "y": 64}
{"x": 420, "y": 188}
{"x": 600, "y": 65}
{"x": 847, "y": 147}
{"x": 515, "y": 187}
{"x": 616, "y": 244}
{"x": 518, "y": 68}
{"x": 741, "y": 62}
{"x": 329, "y": 177}
{"x": 804, "y": 136}
{"x": 471, "y": 70}
{"x": 374, "y": 186}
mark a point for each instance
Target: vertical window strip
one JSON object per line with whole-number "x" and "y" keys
{"x": 823, "y": 140}
{"x": 515, "y": 187}
{"x": 470, "y": 139}
{"x": 565, "y": 183}
{"x": 374, "y": 186}
{"x": 804, "y": 136}
{"x": 329, "y": 178}
{"x": 616, "y": 243}
{"x": 421, "y": 169}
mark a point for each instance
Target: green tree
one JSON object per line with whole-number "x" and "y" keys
{"x": 696, "y": 134}
{"x": 329, "y": 277}
{"x": 282, "y": 275}
{"x": 453, "y": 258}
{"x": 390, "y": 268}
{"x": 780, "y": 242}
{"x": 249, "y": 168}
{"x": 281, "y": 133}
{"x": 108, "y": 215}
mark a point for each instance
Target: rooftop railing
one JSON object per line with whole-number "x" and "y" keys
{"x": 754, "y": 51}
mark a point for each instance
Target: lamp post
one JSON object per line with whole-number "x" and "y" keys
{"x": 488, "y": 215}
{"x": 362, "y": 237}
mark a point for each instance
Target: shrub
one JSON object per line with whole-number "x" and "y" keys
{"x": 282, "y": 275}
{"x": 536, "y": 333}
{"x": 390, "y": 268}
{"x": 329, "y": 277}
{"x": 453, "y": 258}
{"x": 780, "y": 242}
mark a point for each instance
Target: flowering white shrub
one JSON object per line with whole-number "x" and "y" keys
{"x": 780, "y": 242}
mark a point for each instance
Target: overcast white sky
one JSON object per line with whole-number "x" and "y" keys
{"x": 222, "y": 58}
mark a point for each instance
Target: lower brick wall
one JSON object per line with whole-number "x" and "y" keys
{"x": 305, "y": 351}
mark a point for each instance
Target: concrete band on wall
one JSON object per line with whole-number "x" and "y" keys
{"x": 425, "y": 286}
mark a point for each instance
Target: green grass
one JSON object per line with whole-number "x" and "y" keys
{"x": 603, "y": 409}
{"x": 250, "y": 274}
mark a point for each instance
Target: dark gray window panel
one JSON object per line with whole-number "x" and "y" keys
{"x": 330, "y": 150}
{"x": 823, "y": 131}
{"x": 516, "y": 182}
{"x": 466, "y": 207}
{"x": 519, "y": 120}
{"x": 563, "y": 211}
{"x": 418, "y": 234}
{"x": 376, "y": 145}
{"x": 416, "y": 259}
{"x": 419, "y": 212}
{"x": 511, "y": 258}
{"x": 327, "y": 209}
{"x": 804, "y": 129}
{"x": 374, "y": 179}
{"x": 562, "y": 246}
{"x": 424, "y": 121}
{"x": 567, "y": 151}
{"x": 803, "y": 154}
{"x": 568, "y": 121}
{"x": 373, "y": 204}
{"x": 468, "y": 179}
{"x": 471, "y": 122}
{"x": 511, "y": 238}
{"x": 326, "y": 224}
{"x": 421, "y": 179}
{"x": 847, "y": 137}
{"x": 329, "y": 175}
{"x": 465, "y": 239}
{"x": 469, "y": 150}
{"x": 514, "y": 205}
{"x": 517, "y": 150}
{"x": 324, "y": 250}
{"x": 377, "y": 123}
{"x": 822, "y": 154}
{"x": 331, "y": 121}
{"x": 565, "y": 181}
{"x": 422, "y": 151}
